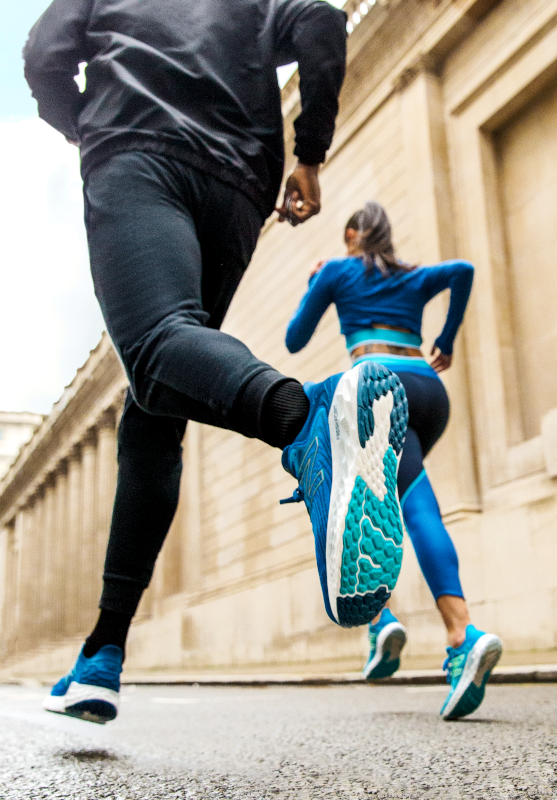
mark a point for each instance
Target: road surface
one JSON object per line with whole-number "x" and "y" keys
{"x": 345, "y": 742}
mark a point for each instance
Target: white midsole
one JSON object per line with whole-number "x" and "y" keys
{"x": 391, "y": 628}
{"x": 55, "y": 703}
{"x": 473, "y": 663}
{"x": 350, "y": 459}
{"x": 78, "y": 693}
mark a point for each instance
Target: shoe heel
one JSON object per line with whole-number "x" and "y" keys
{"x": 98, "y": 711}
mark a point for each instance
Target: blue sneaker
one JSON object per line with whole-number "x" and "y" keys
{"x": 345, "y": 459}
{"x": 468, "y": 670}
{"x": 386, "y": 638}
{"x": 90, "y": 691}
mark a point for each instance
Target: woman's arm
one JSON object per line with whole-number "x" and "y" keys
{"x": 458, "y": 277}
{"x": 313, "y": 305}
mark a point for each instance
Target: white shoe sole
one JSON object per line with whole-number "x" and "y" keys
{"x": 349, "y": 461}
{"x": 79, "y": 694}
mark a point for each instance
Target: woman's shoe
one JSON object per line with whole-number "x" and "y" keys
{"x": 468, "y": 670}
{"x": 386, "y": 638}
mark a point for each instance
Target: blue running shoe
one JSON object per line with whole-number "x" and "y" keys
{"x": 90, "y": 691}
{"x": 468, "y": 670}
{"x": 386, "y": 638}
{"x": 345, "y": 459}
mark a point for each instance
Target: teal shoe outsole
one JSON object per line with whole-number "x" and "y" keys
{"x": 373, "y": 533}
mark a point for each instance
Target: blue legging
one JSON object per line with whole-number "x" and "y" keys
{"x": 428, "y": 407}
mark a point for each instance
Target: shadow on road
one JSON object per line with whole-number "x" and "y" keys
{"x": 88, "y": 755}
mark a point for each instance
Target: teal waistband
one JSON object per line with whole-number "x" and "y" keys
{"x": 418, "y": 366}
{"x": 382, "y": 336}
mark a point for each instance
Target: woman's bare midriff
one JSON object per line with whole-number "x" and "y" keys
{"x": 391, "y": 349}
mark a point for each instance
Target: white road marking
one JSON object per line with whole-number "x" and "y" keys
{"x": 423, "y": 689}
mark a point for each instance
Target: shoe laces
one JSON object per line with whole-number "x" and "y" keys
{"x": 297, "y": 497}
{"x": 453, "y": 666}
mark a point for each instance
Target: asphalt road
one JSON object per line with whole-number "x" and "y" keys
{"x": 346, "y": 742}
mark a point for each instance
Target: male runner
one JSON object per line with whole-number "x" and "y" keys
{"x": 180, "y": 130}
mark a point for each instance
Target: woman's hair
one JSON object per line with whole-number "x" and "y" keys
{"x": 375, "y": 239}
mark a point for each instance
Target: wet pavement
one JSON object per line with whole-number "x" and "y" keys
{"x": 345, "y": 742}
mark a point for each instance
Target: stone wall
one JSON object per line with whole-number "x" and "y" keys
{"x": 447, "y": 118}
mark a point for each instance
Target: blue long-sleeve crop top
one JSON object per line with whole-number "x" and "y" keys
{"x": 366, "y": 297}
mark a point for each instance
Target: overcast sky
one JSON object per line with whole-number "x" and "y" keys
{"x": 49, "y": 319}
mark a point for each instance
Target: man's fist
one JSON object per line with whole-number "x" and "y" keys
{"x": 302, "y": 195}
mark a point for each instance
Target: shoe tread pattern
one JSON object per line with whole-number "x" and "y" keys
{"x": 373, "y": 534}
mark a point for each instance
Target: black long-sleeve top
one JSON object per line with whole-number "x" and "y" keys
{"x": 191, "y": 79}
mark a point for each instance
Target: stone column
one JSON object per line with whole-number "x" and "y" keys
{"x": 47, "y": 535}
{"x": 73, "y": 542}
{"x": 32, "y": 582}
{"x": 106, "y": 474}
{"x": 9, "y": 572}
{"x": 452, "y": 467}
{"x": 87, "y": 560}
{"x": 59, "y": 547}
{"x": 23, "y": 579}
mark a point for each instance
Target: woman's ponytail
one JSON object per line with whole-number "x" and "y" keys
{"x": 375, "y": 239}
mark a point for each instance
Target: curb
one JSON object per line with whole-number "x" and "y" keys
{"x": 537, "y": 673}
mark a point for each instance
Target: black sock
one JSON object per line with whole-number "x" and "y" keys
{"x": 111, "y": 628}
{"x": 284, "y": 413}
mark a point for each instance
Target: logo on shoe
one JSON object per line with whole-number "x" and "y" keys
{"x": 306, "y": 473}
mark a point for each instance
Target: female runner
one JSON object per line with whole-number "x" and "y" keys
{"x": 380, "y": 302}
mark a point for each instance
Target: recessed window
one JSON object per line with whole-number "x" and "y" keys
{"x": 527, "y": 160}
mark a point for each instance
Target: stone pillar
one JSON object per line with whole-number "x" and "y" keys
{"x": 59, "y": 546}
{"x": 73, "y": 542}
{"x": 9, "y": 572}
{"x": 32, "y": 582}
{"x": 87, "y": 556}
{"x": 452, "y": 467}
{"x": 47, "y": 536}
{"x": 24, "y": 577}
{"x": 107, "y": 470}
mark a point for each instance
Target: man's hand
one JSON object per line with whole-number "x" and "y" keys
{"x": 441, "y": 361}
{"x": 302, "y": 195}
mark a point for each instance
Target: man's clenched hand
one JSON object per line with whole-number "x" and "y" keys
{"x": 302, "y": 195}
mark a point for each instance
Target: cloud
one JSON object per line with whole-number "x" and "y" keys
{"x": 49, "y": 319}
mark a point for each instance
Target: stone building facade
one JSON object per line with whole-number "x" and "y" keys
{"x": 16, "y": 428}
{"x": 449, "y": 118}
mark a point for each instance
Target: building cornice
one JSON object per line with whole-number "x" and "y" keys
{"x": 97, "y": 388}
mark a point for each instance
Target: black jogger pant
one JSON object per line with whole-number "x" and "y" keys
{"x": 168, "y": 247}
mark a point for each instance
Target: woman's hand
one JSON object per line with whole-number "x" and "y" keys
{"x": 441, "y": 361}
{"x": 317, "y": 267}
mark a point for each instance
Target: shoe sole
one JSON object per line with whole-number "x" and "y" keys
{"x": 386, "y": 661}
{"x": 82, "y": 701}
{"x": 367, "y": 423}
{"x": 470, "y": 690}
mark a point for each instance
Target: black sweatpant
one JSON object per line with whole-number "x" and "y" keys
{"x": 168, "y": 247}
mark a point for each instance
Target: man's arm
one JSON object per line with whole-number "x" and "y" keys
{"x": 54, "y": 49}
{"x": 313, "y": 33}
